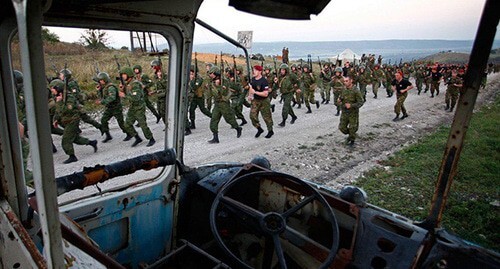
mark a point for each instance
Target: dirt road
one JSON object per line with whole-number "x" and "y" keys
{"x": 312, "y": 148}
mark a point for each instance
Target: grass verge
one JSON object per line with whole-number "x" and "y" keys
{"x": 405, "y": 182}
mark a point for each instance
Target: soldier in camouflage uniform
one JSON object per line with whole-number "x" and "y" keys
{"x": 419, "y": 78}
{"x": 364, "y": 78}
{"x": 407, "y": 70}
{"x": 196, "y": 95}
{"x": 133, "y": 90}
{"x": 237, "y": 96}
{"x": 298, "y": 95}
{"x": 435, "y": 80}
{"x": 401, "y": 86}
{"x": 308, "y": 85}
{"x": 110, "y": 98}
{"x": 350, "y": 100}
{"x": 389, "y": 77}
{"x": 454, "y": 85}
{"x": 222, "y": 108}
{"x": 146, "y": 84}
{"x": 261, "y": 102}
{"x": 287, "y": 86}
{"x": 378, "y": 77}
{"x": 73, "y": 89}
{"x": 67, "y": 113}
{"x": 207, "y": 82}
{"x": 273, "y": 84}
{"x": 325, "y": 77}
{"x": 159, "y": 86}
{"x": 21, "y": 116}
{"x": 338, "y": 86}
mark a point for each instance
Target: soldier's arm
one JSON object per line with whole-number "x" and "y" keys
{"x": 359, "y": 100}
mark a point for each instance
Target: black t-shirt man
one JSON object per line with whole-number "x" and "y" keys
{"x": 401, "y": 85}
{"x": 260, "y": 85}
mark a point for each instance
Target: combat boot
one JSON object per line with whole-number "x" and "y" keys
{"x": 243, "y": 122}
{"x": 214, "y": 140}
{"x": 282, "y": 124}
{"x": 259, "y": 132}
{"x": 151, "y": 142}
{"x": 309, "y": 110}
{"x": 404, "y": 116}
{"x": 93, "y": 143}
{"x": 299, "y": 106}
{"x": 294, "y": 103}
{"x": 128, "y": 137}
{"x": 272, "y": 107}
{"x": 323, "y": 100}
{"x": 317, "y": 104}
{"x": 192, "y": 125}
{"x": 238, "y": 132}
{"x": 327, "y": 102}
{"x": 396, "y": 118}
{"x": 269, "y": 134}
{"x": 447, "y": 107}
{"x": 451, "y": 108}
{"x": 54, "y": 149}
{"x": 158, "y": 118}
{"x": 294, "y": 118}
{"x": 72, "y": 158}
{"x": 138, "y": 140}
{"x": 187, "y": 131}
{"x": 108, "y": 137}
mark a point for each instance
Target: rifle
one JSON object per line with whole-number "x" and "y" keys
{"x": 65, "y": 91}
{"x": 320, "y": 67}
{"x": 309, "y": 62}
{"x": 236, "y": 77}
{"x": 221, "y": 69}
{"x": 215, "y": 59}
{"x": 119, "y": 70}
{"x": 195, "y": 64}
{"x": 275, "y": 67}
{"x": 128, "y": 63}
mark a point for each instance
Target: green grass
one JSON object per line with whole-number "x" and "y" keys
{"x": 405, "y": 184}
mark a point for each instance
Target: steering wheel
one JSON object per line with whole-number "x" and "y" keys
{"x": 272, "y": 225}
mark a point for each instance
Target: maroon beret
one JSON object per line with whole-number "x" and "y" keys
{"x": 257, "y": 67}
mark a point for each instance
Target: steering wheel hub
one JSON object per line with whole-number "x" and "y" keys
{"x": 273, "y": 223}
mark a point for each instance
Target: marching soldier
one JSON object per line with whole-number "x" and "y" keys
{"x": 196, "y": 95}
{"x": 364, "y": 78}
{"x": 389, "y": 77}
{"x": 237, "y": 96}
{"x": 419, "y": 78}
{"x": 146, "y": 83}
{"x": 452, "y": 91}
{"x": 338, "y": 86}
{"x": 378, "y": 77}
{"x": 222, "y": 108}
{"x": 350, "y": 100}
{"x": 261, "y": 102}
{"x": 160, "y": 87}
{"x": 110, "y": 98}
{"x": 67, "y": 113}
{"x": 134, "y": 91}
{"x": 325, "y": 78}
{"x": 287, "y": 86}
{"x": 401, "y": 86}
{"x": 435, "y": 80}
{"x": 308, "y": 86}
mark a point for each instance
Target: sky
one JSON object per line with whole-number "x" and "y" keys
{"x": 339, "y": 21}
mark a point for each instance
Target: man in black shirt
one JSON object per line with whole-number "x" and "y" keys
{"x": 401, "y": 87}
{"x": 259, "y": 96}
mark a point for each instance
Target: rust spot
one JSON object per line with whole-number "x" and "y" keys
{"x": 457, "y": 132}
{"x": 16, "y": 265}
{"x": 454, "y": 136}
{"x": 11, "y": 236}
{"x": 466, "y": 103}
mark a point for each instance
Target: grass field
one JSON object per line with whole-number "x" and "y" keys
{"x": 405, "y": 182}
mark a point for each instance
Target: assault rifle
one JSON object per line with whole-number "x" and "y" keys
{"x": 236, "y": 77}
{"x": 215, "y": 60}
{"x": 275, "y": 67}
{"x": 221, "y": 68}
{"x": 309, "y": 62}
{"x": 195, "y": 64}
{"x": 320, "y": 67}
{"x": 119, "y": 70}
{"x": 65, "y": 91}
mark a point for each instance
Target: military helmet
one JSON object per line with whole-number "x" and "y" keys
{"x": 18, "y": 77}
{"x": 137, "y": 67}
{"x": 57, "y": 84}
{"x": 210, "y": 65}
{"x": 155, "y": 63}
{"x": 268, "y": 67}
{"x": 293, "y": 66}
{"x": 239, "y": 68}
{"x": 104, "y": 76}
{"x": 362, "y": 66}
{"x": 338, "y": 69}
{"x": 215, "y": 70}
{"x": 128, "y": 71}
{"x": 66, "y": 72}
{"x": 306, "y": 66}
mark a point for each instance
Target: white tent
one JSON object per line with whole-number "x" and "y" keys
{"x": 348, "y": 56}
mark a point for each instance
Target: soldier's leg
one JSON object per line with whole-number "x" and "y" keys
{"x": 254, "y": 113}
{"x": 362, "y": 89}
{"x": 129, "y": 121}
{"x": 141, "y": 119}
{"x": 401, "y": 100}
{"x": 287, "y": 105}
{"x": 447, "y": 98}
{"x": 437, "y": 88}
{"x": 69, "y": 135}
{"x": 56, "y": 131}
{"x": 353, "y": 126}
{"x": 87, "y": 119}
{"x": 229, "y": 116}
{"x": 388, "y": 88}
{"x": 161, "y": 108}
{"x": 118, "y": 114}
{"x": 106, "y": 116}
{"x": 344, "y": 120}
{"x": 151, "y": 107}
{"x": 214, "y": 121}
{"x": 454, "y": 98}
{"x": 433, "y": 88}
{"x": 375, "y": 87}
{"x": 192, "y": 110}
{"x": 202, "y": 107}
{"x": 267, "y": 115}
{"x": 397, "y": 106}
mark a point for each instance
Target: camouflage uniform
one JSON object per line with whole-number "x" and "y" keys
{"x": 111, "y": 100}
{"x": 262, "y": 105}
{"x": 452, "y": 92}
{"x": 378, "y": 77}
{"x": 389, "y": 77}
{"x": 236, "y": 99}
{"x": 308, "y": 85}
{"x": 324, "y": 80}
{"x": 364, "y": 78}
{"x": 137, "y": 111}
{"x": 160, "y": 87}
{"x": 338, "y": 86}
{"x": 349, "y": 119}
{"x": 196, "y": 95}
{"x": 435, "y": 79}
{"x": 287, "y": 86}
{"x": 419, "y": 78}
{"x": 222, "y": 107}
{"x": 146, "y": 84}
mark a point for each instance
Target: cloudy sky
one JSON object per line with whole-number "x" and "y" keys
{"x": 339, "y": 21}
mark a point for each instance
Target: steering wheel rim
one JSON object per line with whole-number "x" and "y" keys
{"x": 273, "y": 224}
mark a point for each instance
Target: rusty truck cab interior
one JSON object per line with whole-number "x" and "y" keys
{"x": 223, "y": 215}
